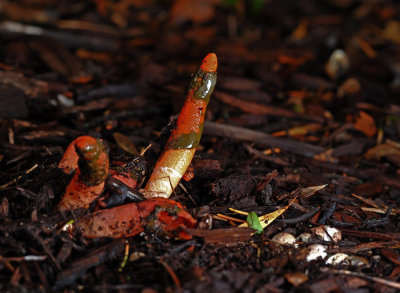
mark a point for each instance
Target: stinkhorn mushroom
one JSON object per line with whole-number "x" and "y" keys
{"x": 181, "y": 146}
{"x": 88, "y": 157}
{"x": 160, "y": 216}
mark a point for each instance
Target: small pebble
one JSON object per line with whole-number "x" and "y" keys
{"x": 337, "y": 64}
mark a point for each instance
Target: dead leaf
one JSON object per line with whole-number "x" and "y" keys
{"x": 300, "y": 32}
{"x": 350, "y": 87}
{"x": 382, "y": 150}
{"x": 392, "y": 31}
{"x": 366, "y": 124}
{"x": 309, "y": 191}
{"x": 326, "y": 157}
{"x": 125, "y": 143}
{"x": 297, "y": 278}
{"x": 197, "y": 11}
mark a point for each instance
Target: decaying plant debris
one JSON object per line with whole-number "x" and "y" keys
{"x": 300, "y": 146}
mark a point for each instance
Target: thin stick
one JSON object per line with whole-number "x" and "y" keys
{"x": 361, "y": 275}
{"x": 4, "y": 186}
{"x": 171, "y": 273}
{"x": 227, "y": 218}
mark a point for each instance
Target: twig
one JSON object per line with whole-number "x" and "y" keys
{"x": 328, "y": 213}
{"x": 39, "y": 239}
{"x": 300, "y": 218}
{"x": 361, "y": 275}
{"x": 23, "y": 258}
{"x": 171, "y": 273}
{"x": 4, "y": 186}
{"x": 187, "y": 193}
{"x": 72, "y": 40}
{"x": 245, "y": 134}
{"x": 227, "y": 218}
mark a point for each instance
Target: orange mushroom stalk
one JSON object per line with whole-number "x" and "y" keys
{"x": 181, "y": 146}
{"x": 88, "y": 157}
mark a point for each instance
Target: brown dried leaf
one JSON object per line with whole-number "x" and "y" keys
{"x": 309, "y": 191}
{"x": 297, "y": 278}
{"x": 267, "y": 219}
{"x": 125, "y": 143}
{"x": 382, "y": 150}
{"x": 392, "y": 31}
{"x": 326, "y": 156}
{"x": 197, "y": 11}
{"x": 350, "y": 87}
{"x": 366, "y": 124}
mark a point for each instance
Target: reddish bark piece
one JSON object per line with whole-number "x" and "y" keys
{"x": 132, "y": 183}
{"x": 223, "y": 236}
{"x": 382, "y": 150}
{"x": 189, "y": 174}
{"x": 89, "y": 157}
{"x": 156, "y": 215}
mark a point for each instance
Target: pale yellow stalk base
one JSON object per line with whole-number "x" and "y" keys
{"x": 168, "y": 172}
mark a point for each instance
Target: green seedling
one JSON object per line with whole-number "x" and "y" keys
{"x": 254, "y": 222}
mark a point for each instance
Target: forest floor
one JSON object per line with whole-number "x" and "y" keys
{"x": 305, "y": 116}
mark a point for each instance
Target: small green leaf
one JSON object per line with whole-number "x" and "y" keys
{"x": 257, "y": 5}
{"x": 231, "y": 2}
{"x": 254, "y": 222}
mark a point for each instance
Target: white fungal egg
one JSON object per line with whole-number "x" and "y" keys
{"x": 316, "y": 251}
{"x": 346, "y": 260}
{"x": 327, "y": 233}
{"x": 304, "y": 237}
{"x": 337, "y": 259}
{"x": 284, "y": 238}
{"x": 337, "y": 64}
{"x": 357, "y": 261}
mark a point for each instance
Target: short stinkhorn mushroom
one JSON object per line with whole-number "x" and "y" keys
{"x": 181, "y": 146}
{"x": 88, "y": 157}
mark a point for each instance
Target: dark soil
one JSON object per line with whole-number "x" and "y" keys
{"x": 306, "y": 108}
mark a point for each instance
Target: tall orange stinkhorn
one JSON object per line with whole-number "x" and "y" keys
{"x": 181, "y": 146}
{"x": 88, "y": 157}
